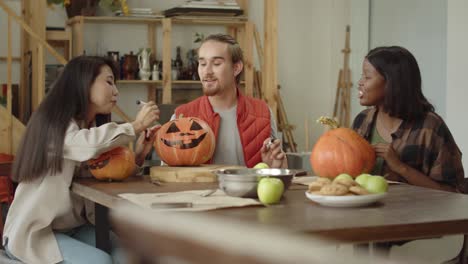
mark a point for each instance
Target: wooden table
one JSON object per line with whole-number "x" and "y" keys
{"x": 408, "y": 212}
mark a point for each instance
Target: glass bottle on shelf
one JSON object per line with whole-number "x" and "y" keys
{"x": 174, "y": 71}
{"x": 192, "y": 65}
{"x": 155, "y": 73}
{"x": 179, "y": 63}
{"x": 121, "y": 66}
{"x": 160, "y": 64}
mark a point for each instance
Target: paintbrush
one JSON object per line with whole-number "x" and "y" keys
{"x": 268, "y": 145}
{"x": 140, "y": 102}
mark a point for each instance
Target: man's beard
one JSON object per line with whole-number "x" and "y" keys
{"x": 211, "y": 91}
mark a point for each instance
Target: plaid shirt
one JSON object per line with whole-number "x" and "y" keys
{"x": 426, "y": 145}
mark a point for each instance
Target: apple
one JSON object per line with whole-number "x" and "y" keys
{"x": 270, "y": 190}
{"x": 261, "y": 165}
{"x": 362, "y": 179}
{"x": 376, "y": 184}
{"x": 344, "y": 176}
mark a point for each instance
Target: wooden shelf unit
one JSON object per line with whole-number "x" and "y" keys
{"x": 240, "y": 25}
{"x": 112, "y": 19}
{"x": 223, "y": 21}
{"x": 189, "y": 82}
{"x": 228, "y": 21}
{"x": 60, "y": 38}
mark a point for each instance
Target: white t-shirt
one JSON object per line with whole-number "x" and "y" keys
{"x": 228, "y": 144}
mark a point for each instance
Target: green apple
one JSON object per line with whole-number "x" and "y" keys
{"x": 344, "y": 176}
{"x": 261, "y": 165}
{"x": 376, "y": 184}
{"x": 270, "y": 190}
{"x": 362, "y": 179}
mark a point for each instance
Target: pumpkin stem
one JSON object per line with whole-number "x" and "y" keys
{"x": 328, "y": 121}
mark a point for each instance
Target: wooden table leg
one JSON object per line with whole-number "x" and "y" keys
{"x": 102, "y": 227}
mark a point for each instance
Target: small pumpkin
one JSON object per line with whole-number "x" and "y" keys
{"x": 185, "y": 141}
{"x": 116, "y": 164}
{"x": 341, "y": 150}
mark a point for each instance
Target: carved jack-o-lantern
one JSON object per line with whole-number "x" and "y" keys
{"x": 116, "y": 164}
{"x": 185, "y": 141}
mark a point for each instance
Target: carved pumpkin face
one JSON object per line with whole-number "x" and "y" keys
{"x": 116, "y": 164}
{"x": 185, "y": 141}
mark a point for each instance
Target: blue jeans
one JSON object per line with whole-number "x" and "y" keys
{"x": 79, "y": 246}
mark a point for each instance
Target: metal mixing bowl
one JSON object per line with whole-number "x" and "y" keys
{"x": 243, "y": 182}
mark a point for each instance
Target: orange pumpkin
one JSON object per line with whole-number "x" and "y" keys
{"x": 116, "y": 164}
{"x": 341, "y": 150}
{"x": 185, "y": 141}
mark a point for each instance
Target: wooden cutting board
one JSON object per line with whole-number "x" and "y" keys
{"x": 203, "y": 173}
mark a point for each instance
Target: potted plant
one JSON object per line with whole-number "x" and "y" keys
{"x": 88, "y": 7}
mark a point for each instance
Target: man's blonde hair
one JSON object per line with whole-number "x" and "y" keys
{"x": 233, "y": 47}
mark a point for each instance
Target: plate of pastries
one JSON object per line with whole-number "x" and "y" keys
{"x": 342, "y": 192}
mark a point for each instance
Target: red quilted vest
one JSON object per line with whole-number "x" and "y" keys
{"x": 253, "y": 122}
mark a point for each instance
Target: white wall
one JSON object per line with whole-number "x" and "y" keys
{"x": 359, "y": 47}
{"x": 457, "y": 65}
{"x": 311, "y": 35}
{"x": 421, "y": 27}
{"x": 16, "y": 6}
{"x": 310, "y": 38}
